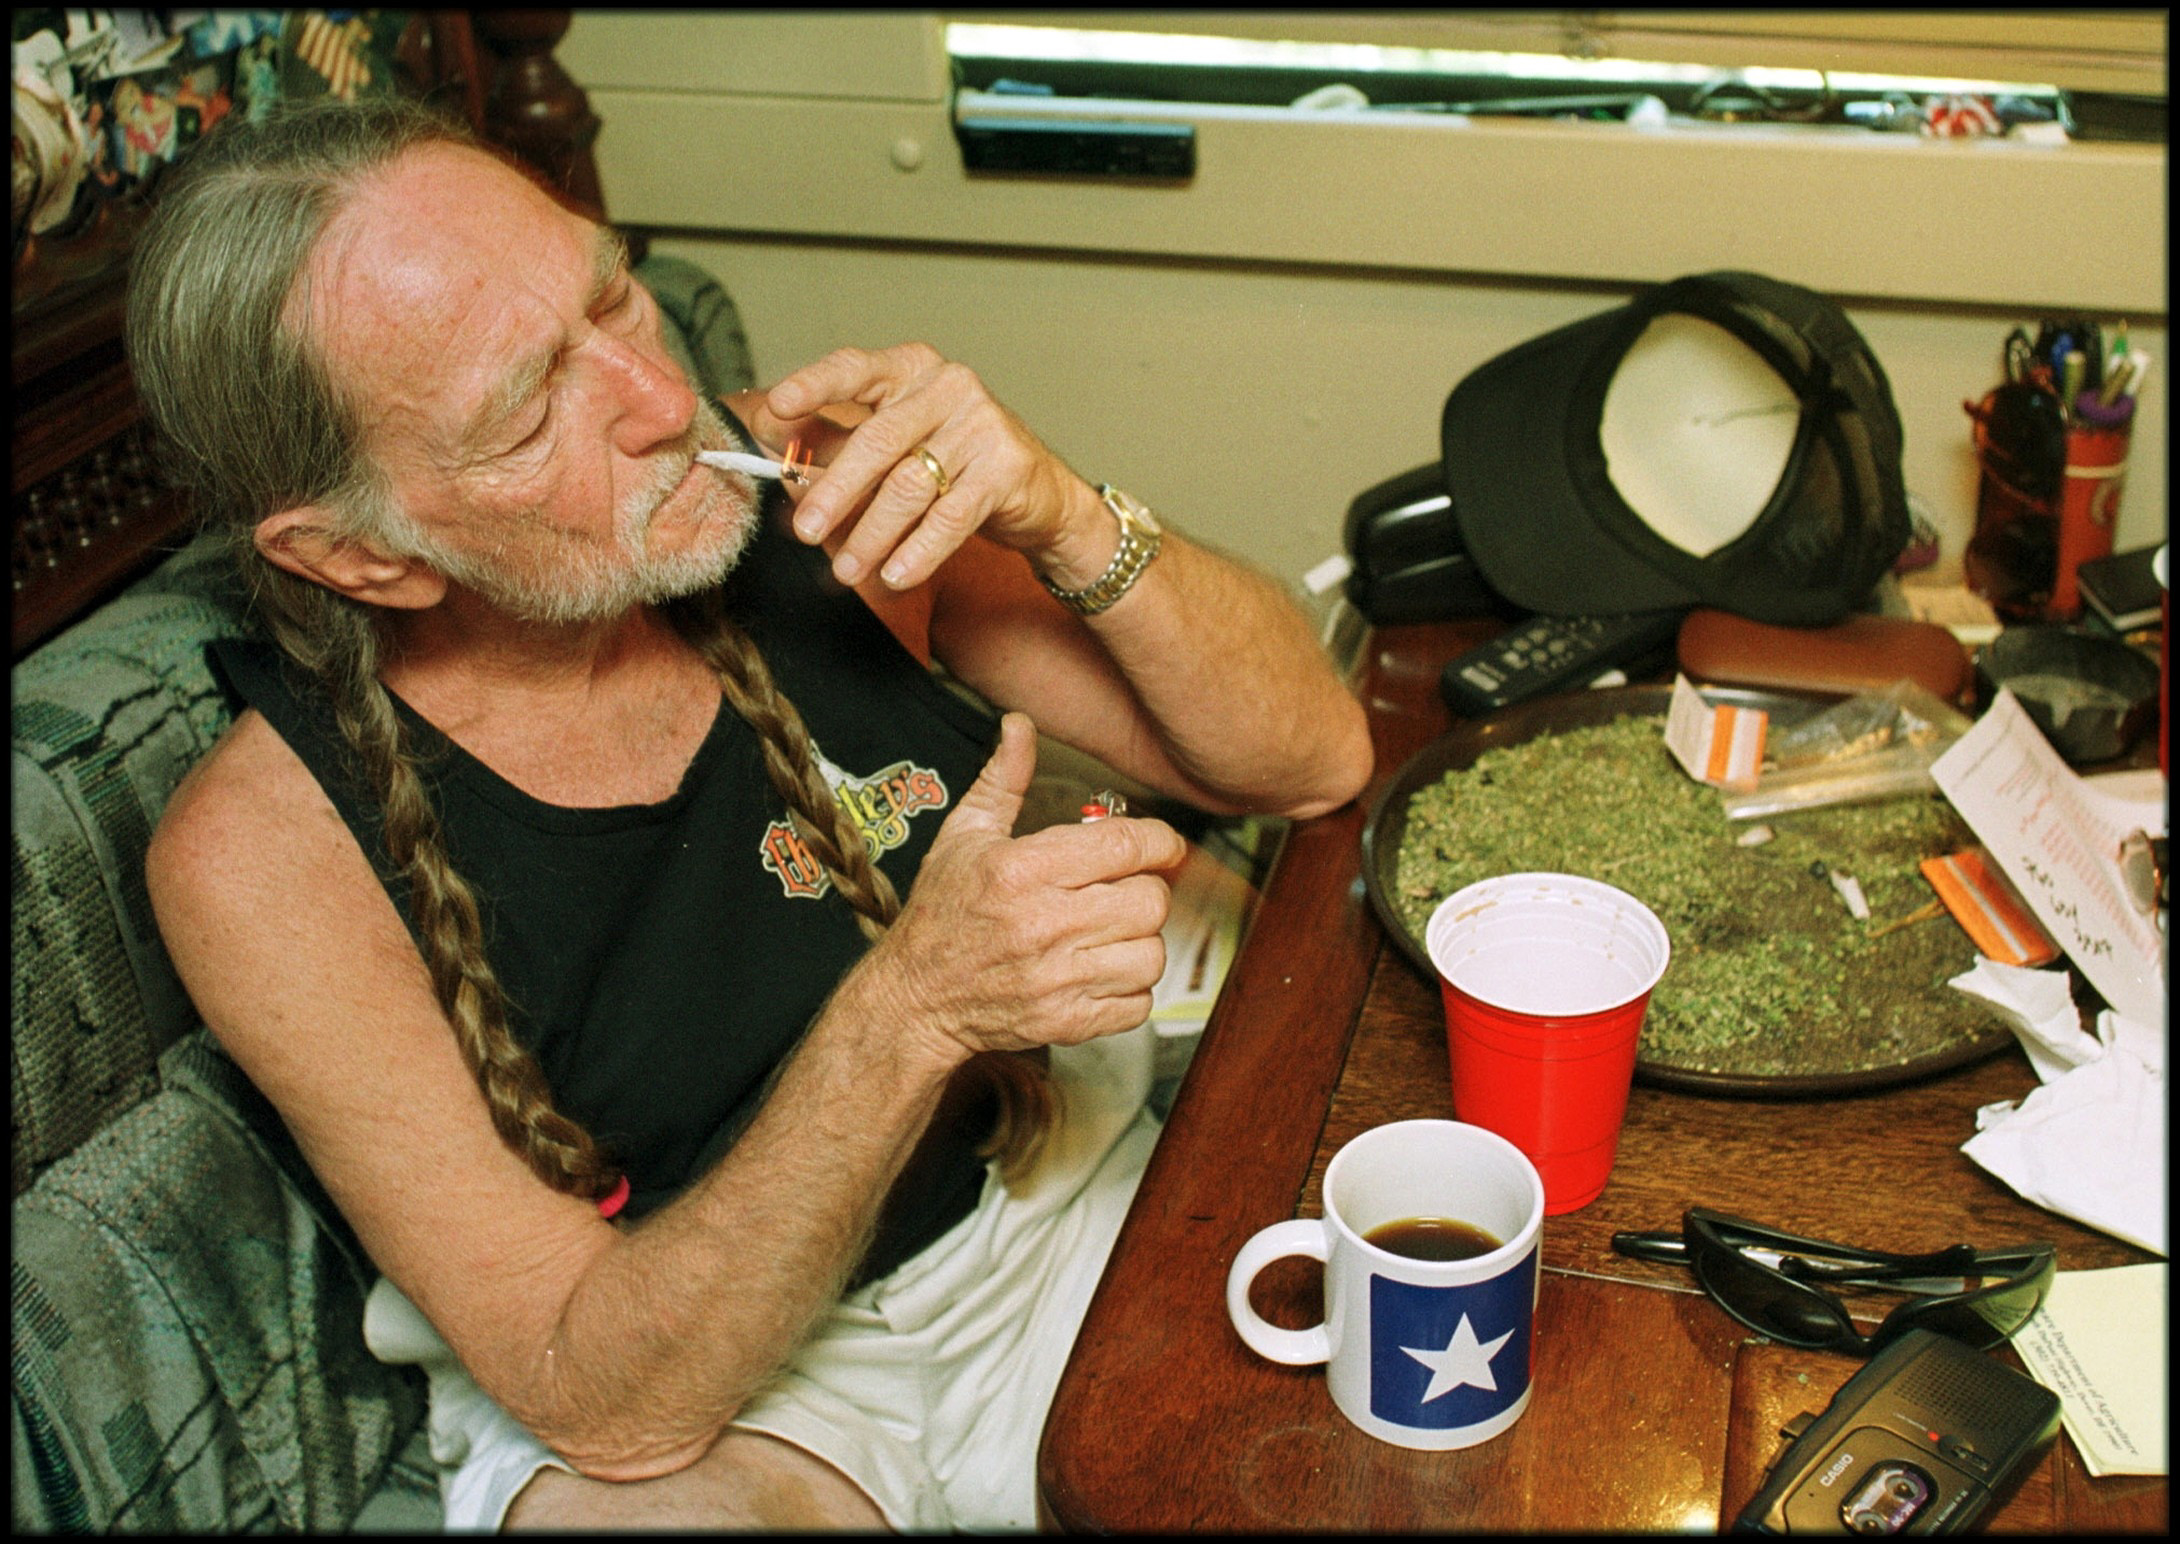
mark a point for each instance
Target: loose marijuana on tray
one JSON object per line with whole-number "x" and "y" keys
{"x": 1771, "y": 976}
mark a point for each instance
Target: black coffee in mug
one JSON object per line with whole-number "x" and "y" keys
{"x": 1432, "y": 1238}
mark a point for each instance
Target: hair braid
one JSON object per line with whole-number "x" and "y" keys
{"x": 791, "y": 765}
{"x": 1026, "y": 1104}
{"x": 337, "y": 641}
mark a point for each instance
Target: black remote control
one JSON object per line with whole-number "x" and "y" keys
{"x": 1547, "y": 654}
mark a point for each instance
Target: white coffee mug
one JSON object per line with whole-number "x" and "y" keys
{"x": 1422, "y": 1353}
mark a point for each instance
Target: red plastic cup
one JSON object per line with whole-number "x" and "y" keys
{"x": 1546, "y": 979}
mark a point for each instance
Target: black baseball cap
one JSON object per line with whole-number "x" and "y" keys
{"x": 1723, "y": 440}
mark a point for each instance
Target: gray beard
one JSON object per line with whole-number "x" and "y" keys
{"x": 595, "y": 583}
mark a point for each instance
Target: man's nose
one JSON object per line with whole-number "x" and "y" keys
{"x": 655, "y": 401}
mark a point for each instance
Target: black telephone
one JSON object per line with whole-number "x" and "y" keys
{"x": 1410, "y": 564}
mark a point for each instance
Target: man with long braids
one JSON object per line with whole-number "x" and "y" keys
{"x": 626, "y": 922}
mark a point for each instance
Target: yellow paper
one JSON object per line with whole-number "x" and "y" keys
{"x": 2099, "y": 1344}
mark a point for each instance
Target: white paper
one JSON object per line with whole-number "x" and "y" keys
{"x": 2038, "y": 1006}
{"x": 2090, "y": 1143}
{"x": 2130, "y": 799}
{"x": 2059, "y": 845}
{"x": 2090, "y": 1146}
{"x": 2144, "y": 1042}
{"x": 2099, "y": 1343}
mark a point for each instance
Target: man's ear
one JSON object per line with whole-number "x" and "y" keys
{"x": 304, "y": 540}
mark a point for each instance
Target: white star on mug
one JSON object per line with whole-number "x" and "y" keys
{"x": 1465, "y": 1360}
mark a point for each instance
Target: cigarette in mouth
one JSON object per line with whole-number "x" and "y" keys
{"x": 787, "y": 469}
{"x": 736, "y": 461}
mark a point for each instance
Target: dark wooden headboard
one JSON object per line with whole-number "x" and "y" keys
{"x": 90, "y": 511}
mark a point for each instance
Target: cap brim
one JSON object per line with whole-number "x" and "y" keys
{"x": 1509, "y": 459}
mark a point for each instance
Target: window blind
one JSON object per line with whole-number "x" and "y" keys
{"x": 2117, "y": 52}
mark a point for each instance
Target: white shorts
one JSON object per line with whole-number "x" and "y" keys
{"x": 928, "y": 1389}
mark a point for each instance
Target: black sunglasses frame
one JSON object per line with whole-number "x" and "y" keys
{"x": 1785, "y": 1302}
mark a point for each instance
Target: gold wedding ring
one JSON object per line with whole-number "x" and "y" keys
{"x": 931, "y": 464}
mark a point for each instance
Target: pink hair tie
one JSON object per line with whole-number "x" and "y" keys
{"x": 611, "y": 1203}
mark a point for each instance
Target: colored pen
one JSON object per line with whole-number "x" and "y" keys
{"x": 2138, "y": 366}
{"x": 2115, "y": 380}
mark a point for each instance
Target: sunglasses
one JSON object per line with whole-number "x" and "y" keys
{"x": 1775, "y": 1282}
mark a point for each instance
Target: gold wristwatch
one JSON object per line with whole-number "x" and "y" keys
{"x": 1140, "y": 536}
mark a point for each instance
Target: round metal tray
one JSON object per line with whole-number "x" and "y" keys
{"x": 1459, "y": 748}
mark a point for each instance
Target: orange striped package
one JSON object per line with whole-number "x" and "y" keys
{"x": 1719, "y": 744}
{"x": 1983, "y": 901}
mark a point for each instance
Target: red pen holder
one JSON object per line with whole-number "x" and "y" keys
{"x": 2028, "y": 551}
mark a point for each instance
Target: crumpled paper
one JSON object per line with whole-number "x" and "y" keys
{"x": 2090, "y": 1143}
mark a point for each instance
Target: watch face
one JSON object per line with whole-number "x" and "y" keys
{"x": 1133, "y": 510}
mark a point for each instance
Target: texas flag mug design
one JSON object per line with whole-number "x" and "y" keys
{"x": 1453, "y": 1359}
{"x": 1420, "y": 1353}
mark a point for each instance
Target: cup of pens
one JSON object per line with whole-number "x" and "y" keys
{"x": 2051, "y": 451}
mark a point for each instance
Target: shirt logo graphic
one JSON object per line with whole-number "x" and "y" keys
{"x": 1449, "y": 1357}
{"x": 878, "y": 806}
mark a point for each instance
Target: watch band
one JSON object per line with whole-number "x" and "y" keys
{"x": 1140, "y": 539}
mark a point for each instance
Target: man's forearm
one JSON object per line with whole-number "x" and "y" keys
{"x": 669, "y": 1333}
{"x": 1203, "y": 680}
{"x": 1234, "y": 685}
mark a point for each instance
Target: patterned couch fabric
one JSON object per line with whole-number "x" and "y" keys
{"x": 106, "y": 719}
{"x": 187, "y": 1306}
{"x": 187, "y": 1329}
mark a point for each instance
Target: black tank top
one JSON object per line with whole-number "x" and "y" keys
{"x": 662, "y": 959}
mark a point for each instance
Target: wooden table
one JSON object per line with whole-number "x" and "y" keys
{"x": 1653, "y": 1410}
